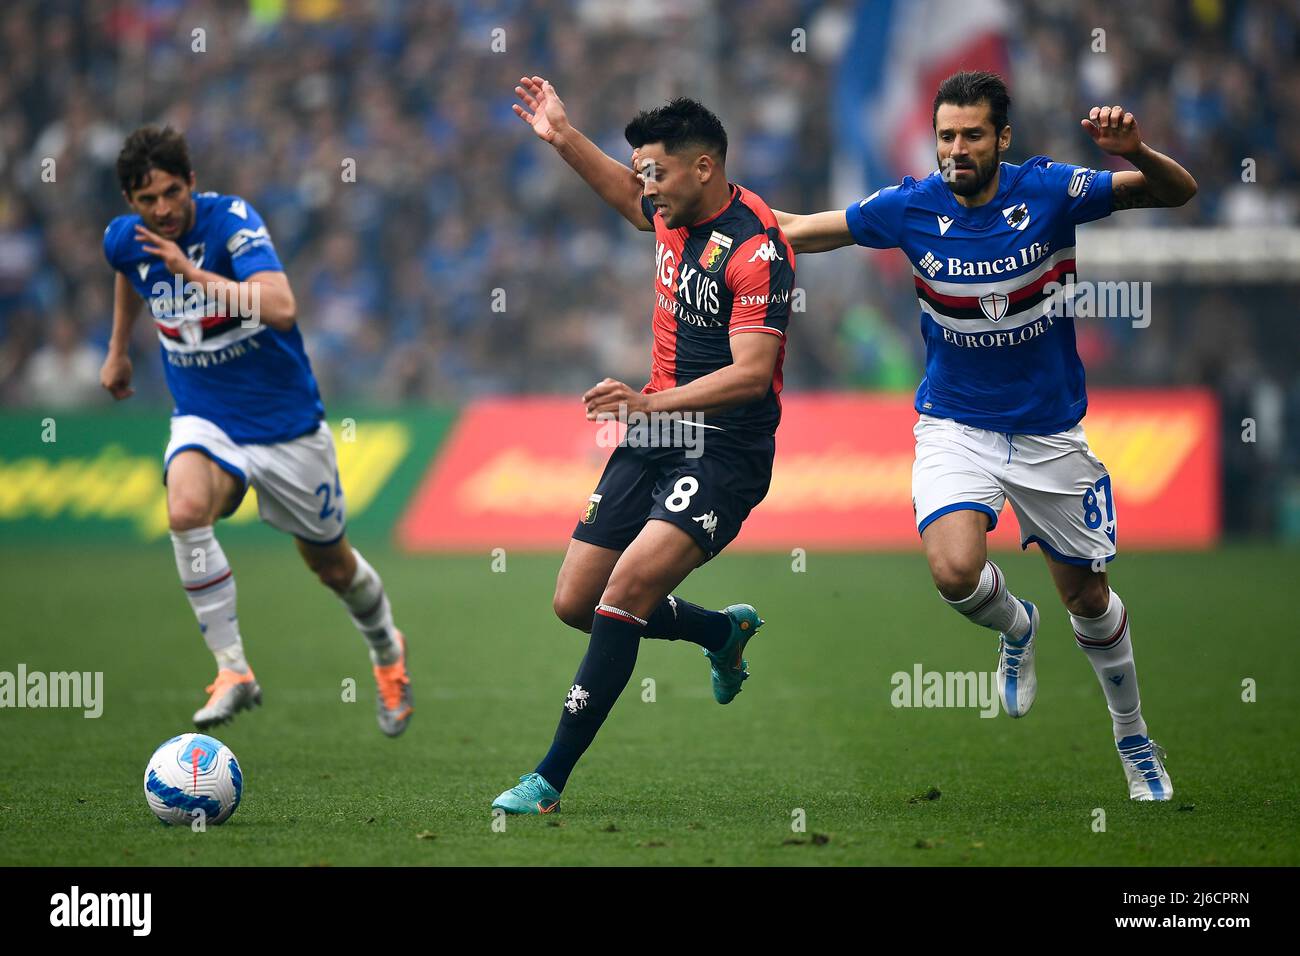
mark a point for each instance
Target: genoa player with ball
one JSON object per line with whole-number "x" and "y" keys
{"x": 247, "y": 410}
{"x": 722, "y": 284}
{"x": 1003, "y": 395}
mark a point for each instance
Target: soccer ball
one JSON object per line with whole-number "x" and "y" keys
{"x": 190, "y": 777}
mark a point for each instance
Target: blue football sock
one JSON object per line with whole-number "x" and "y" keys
{"x": 678, "y": 620}
{"x": 601, "y": 677}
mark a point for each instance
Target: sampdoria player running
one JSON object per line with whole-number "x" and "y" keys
{"x": 247, "y": 409}
{"x": 1003, "y": 392}
{"x": 722, "y": 282}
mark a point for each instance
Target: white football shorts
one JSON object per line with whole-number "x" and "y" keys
{"x": 297, "y": 481}
{"x": 1060, "y": 492}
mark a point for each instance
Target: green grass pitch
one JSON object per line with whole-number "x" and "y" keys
{"x": 678, "y": 780}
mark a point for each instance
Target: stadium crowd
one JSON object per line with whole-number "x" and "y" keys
{"x": 463, "y": 259}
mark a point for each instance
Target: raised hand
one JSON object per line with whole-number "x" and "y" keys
{"x": 164, "y": 249}
{"x": 642, "y": 167}
{"x": 545, "y": 111}
{"x": 1113, "y": 130}
{"x": 607, "y": 395}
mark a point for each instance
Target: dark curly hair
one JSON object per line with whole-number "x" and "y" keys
{"x": 971, "y": 87}
{"x": 682, "y": 122}
{"x": 152, "y": 148}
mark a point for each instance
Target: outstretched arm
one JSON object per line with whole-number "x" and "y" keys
{"x": 816, "y": 232}
{"x": 613, "y": 182}
{"x": 1159, "y": 180}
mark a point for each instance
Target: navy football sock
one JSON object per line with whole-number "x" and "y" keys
{"x": 601, "y": 677}
{"x": 677, "y": 620}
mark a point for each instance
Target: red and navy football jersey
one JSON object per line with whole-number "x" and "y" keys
{"x": 730, "y": 274}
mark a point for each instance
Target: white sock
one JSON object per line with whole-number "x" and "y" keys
{"x": 210, "y": 585}
{"x": 1106, "y": 642}
{"x": 993, "y": 605}
{"x": 371, "y": 612}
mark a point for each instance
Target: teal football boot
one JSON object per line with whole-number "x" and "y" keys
{"x": 531, "y": 795}
{"x": 728, "y": 665}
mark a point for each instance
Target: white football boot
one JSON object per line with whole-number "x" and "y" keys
{"x": 1144, "y": 766}
{"x": 1017, "y": 682}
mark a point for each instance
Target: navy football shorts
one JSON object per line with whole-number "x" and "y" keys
{"x": 708, "y": 496}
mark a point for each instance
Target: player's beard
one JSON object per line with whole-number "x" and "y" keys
{"x": 983, "y": 175}
{"x": 678, "y": 217}
{"x": 186, "y": 220}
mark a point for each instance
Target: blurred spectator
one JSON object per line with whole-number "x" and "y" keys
{"x": 440, "y": 252}
{"x": 63, "y": 373}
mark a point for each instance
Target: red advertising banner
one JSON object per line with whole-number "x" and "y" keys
{"x": 516, "y": 473}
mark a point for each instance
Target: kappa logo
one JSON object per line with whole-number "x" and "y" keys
{"x": 576, "y": 699}
{"x": 1017, "y": 216}
{"x": 767, "y": 252}
{"x": 994, "y": 305}
{"x": 708, "y": 521}
{"x": 944, "y": 223}
{"x": 930, "y": 264}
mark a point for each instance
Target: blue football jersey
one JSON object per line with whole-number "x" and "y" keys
{"x": 253, "y": 382}
{"x": 997, "y": 356}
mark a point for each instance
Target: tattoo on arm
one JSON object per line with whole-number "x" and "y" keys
{"x": 1133, "y": 197}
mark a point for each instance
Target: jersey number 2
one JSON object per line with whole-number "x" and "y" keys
{"x": 326, "y": 509}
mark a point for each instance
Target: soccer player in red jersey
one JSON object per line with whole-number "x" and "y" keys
{"x": 700, "y": 442}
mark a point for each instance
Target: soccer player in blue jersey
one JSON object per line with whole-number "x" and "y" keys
{"x": 247, "y": 410}
{"x": 1003, "y": 394}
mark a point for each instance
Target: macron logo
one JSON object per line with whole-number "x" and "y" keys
{"x": 239, "y": 208}
{"x": 103, "y": 909}
{"x": 944, "y": 223}
{"x": 242, "y": 238}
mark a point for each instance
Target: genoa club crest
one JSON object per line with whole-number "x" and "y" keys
{"x": 715, "y": 252}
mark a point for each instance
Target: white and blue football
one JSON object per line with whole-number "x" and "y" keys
{"x": 190, "y": 777}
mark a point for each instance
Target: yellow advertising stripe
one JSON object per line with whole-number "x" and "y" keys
{"x": 840, "y": 480}
{"x": 519, "y": 482}
{"x": 365, "y": 464}
{"x": 114, "y": 485}
{"x": 1143, "y": 451}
